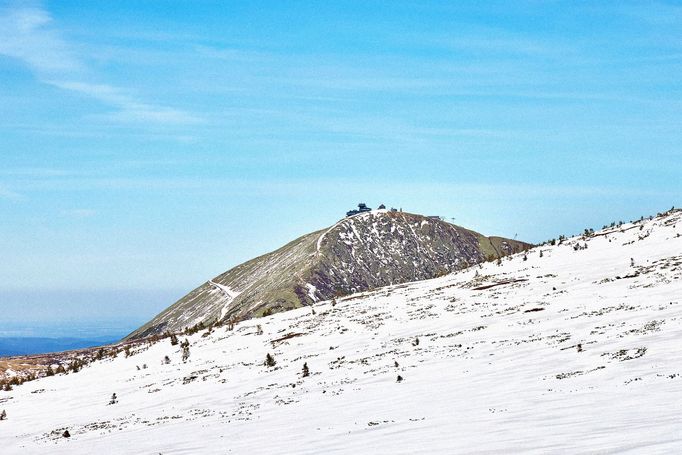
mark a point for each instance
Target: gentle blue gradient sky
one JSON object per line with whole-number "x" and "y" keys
{"x": 148, "y": 145}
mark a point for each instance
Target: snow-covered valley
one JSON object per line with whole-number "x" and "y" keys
{"x": 566, "y": 348}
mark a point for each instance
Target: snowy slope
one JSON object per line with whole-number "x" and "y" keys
{"x": 575, "y": 350}
{"x": 358, "y": 253}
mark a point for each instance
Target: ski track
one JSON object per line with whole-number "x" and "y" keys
{"x": 496, "y": 369}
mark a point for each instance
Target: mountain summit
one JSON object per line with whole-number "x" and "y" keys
{"x": 359, "y": 253}
{"x": 570, "y": 347}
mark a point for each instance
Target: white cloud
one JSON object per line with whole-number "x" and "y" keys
{"x": 7, "y": 194}
{"x": 129, "y": 108}
{"x": 79, "y": 213}
{"x": 27, "y": 34}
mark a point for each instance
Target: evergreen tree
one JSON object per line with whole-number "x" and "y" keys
{"x": 185, "y": 350}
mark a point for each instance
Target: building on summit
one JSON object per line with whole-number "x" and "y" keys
{"x": 362, "y": 207}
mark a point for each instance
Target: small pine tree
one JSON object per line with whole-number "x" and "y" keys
{"x": 166, "y": 360}
{"x": 306, "y": 371}
{"x": 66, "y": 434}
{"x": 396, "y": 364}
{"x": 49, "y": 371}
{"x": 3, "y": 415}
{"x": 173, "y": 339}
{"x": 185, "y": 350}
{"x": 399, "y": 379}
{"x": 270, "y": 360}
{"x": 75, "y": 365}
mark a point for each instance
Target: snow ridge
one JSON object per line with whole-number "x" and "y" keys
{"x": 571, "y": 348}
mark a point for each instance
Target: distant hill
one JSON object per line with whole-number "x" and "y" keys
{"x": 359, "y": 253}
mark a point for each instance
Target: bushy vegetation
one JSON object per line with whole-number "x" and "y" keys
{"x": 195, "y": 328}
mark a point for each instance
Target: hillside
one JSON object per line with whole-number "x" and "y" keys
{"x": 359, "y": 253}
{"x": 571, "y": 348}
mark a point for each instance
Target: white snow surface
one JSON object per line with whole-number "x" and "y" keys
{"x": 229, "y": 295}
{"x": 347, "y": 220}
{"x": 311, "y": 292}
{"x": 581, "y": 355}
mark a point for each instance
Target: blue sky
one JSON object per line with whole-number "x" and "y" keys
{"x": 148, "y": 145}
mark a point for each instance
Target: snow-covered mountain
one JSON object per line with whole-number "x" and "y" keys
{"x": 566, "y": 349}
{"x": 359, "y": 253}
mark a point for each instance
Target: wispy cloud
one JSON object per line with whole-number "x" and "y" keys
{"x": 79, "y": 213}
{"x": 130, "y": 109}
{"x": 37, "y": 172}
{"x": 7, "y": 194}
{"x": 27, "y": 34}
